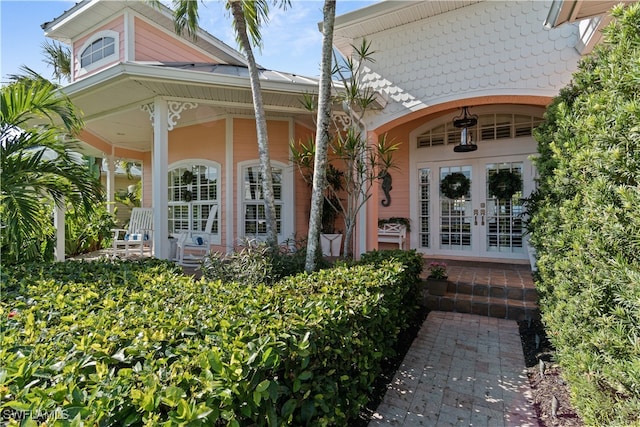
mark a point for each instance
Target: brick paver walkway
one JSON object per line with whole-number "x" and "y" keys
{"x": 461, "y": 370}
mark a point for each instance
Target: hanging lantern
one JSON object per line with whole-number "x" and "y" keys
{"x": 464, "y": 122}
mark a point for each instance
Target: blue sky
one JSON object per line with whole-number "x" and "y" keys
{"x": 292, "y": 41}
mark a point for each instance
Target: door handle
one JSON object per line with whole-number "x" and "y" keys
{"x": 482, "y": 214}
{"x": 475, "y": 217}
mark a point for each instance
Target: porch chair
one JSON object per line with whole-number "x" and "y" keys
{"x": 138, "y": 234}
{"x": 193, "y": 246}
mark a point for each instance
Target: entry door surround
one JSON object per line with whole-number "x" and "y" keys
{"x": 481, "y": 238}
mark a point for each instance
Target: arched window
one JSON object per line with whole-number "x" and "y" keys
{"x": 99, "y": 49}
{"x": 194, "y": 190}
{"x": 490, "y": 127}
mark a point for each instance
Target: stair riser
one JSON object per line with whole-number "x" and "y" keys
{"x": 498, "y": 310}
{"x": 508, "y": 292}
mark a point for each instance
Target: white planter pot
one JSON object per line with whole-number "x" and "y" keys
{"x": 331, "y": 244}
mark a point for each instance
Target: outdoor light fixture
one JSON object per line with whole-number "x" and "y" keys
{"x": 464, "y": 122}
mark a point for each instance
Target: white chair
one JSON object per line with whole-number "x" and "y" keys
{"x": 193, "y": 246}
{"x": 138, "y": 234}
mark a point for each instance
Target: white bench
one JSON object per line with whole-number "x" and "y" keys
{"x": 392, "y": 233}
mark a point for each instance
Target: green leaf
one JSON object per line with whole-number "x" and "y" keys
{"x": 263, "y": 386}
{"x": 305, "y": 375}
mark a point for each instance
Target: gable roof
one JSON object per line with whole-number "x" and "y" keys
{"x": 87, "y": 14}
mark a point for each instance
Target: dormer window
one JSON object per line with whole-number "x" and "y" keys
{"x": 99, "y": 50}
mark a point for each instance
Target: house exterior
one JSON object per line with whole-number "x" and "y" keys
{"x": 183, "y": 109}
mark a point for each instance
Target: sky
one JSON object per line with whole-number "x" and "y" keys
{"x": 291, "y": 40}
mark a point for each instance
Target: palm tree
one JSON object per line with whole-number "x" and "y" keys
{"x": 248, "y": 16}
{"x": 59, "y": 57}
{"x": 323, "y": 135}
{"x": 37, "y": 162}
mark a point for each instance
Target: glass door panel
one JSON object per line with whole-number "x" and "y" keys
{"x": 504, "y": 228}
{"x": 424, "y": 183}
{"x": 456, "y": 214}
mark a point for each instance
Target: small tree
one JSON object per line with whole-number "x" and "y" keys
{"x": 361, "y": 162}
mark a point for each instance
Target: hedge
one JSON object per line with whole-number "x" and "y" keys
{"x": 585, "y": 226}
{"x": 137, "y": 343}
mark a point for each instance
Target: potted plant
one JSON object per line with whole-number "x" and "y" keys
{"x": 437, "y": 280}
{"x": 330, "y": 238}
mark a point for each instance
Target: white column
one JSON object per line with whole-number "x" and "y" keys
{"x": 58, "y": 222}
{"x": 159, "y": 179}
{"x": 228, "y": 179}
{"x": 111, "y": 183}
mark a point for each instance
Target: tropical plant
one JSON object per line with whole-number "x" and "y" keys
{"x": 248, "y": 17}
{"x": 58, "y": 57}
{"x": 37, "y": 162}
{"x": 362, "y": 163}
{"x": 87, "y": 231}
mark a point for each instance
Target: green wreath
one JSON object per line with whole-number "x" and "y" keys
{"x": 187, "y": 177}
{"x": 455, "y": 185}
{"x": 504, "y": 184}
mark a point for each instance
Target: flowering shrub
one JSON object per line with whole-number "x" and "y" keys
{"x": 437, "y": 270}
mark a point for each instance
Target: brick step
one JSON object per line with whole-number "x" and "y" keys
{"x": 505, "y": 291}
{"x": 500, "y": 307}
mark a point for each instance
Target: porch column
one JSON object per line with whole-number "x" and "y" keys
{"x": 159, "y": 179}
{"x": 58, "y": 222}
{"x": 111, "y": 183}
{"x": 371, "y": 214}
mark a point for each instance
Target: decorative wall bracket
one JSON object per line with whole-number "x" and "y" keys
{"x": 343, "y": 119}
{"x": 175, "y": 110}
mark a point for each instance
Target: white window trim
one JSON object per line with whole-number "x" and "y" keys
{"x": 104, "y": 61}
{"x": 217, "y": 238}
{"x": 288, "y": 207}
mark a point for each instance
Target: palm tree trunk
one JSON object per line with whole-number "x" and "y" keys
{"x": 322, "y": 135}
{"x": 261, "y": 124}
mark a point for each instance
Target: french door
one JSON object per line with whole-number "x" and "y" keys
{"x": 459, "y": 213}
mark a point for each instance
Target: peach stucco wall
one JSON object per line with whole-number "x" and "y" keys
{"x": 116, "y": 25}
{"x": 152, "y": 44}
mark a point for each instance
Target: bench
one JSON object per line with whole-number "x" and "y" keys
{"x": 393, "y": 233}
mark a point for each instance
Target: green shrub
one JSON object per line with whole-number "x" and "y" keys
{"x": 258, "y": 263}
{"x": 585, "y": 227}
{"x": 136, "y": 343}
{"x": 87, "y": 232}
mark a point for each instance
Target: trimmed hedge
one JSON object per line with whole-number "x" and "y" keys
{"x": 585, "y": 226}
{"x": 136, "y": 343}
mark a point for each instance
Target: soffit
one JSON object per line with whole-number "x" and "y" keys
{"x": 388, "y": 14}
{"x": 112, "y": 105}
